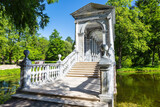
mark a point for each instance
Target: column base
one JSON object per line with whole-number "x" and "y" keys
{"x": 107, "y": 98}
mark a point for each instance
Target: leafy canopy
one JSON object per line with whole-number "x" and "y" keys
{"x": 24, "y": 13}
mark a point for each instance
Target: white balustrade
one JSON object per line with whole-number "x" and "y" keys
{"x": 34, "y": 75}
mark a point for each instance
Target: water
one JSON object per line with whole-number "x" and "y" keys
{"x": 138, "y": 90}
{"x": 8, "y": 87}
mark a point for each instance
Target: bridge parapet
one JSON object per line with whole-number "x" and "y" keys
{"x": 35, "y": 75}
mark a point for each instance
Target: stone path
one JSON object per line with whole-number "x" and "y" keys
{"x": 69, "y": 90}
{"x": 3, "y": 67}
{"x": 88, "y": 88}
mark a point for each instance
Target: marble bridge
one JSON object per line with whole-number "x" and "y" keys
{"x": 86, "y": 77}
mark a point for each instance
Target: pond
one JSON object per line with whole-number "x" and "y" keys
{"x": 8, "y": 86}
{"x": 136, "y": 90}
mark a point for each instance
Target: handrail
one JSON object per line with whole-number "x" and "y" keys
{"x": 35, "y": 75}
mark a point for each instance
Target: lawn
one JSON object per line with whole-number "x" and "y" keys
{"x": 9, "y": 72}
{"x": 139, "y": 70}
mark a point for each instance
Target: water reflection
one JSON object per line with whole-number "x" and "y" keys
{"x": 138, "y": 90}
{"x": 7, "y": 88}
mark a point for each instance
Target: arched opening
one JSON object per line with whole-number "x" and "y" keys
{"x": 93, "y": 38}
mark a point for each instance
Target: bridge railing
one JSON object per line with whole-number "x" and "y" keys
{"x": 35, "y": 75}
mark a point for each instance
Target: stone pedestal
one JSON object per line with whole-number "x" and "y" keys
{"x": 25, "y": 78}
{"x": 105, "y": 70}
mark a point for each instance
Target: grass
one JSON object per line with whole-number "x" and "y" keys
{"x": 139, "y": 70}
{"x": 10, "y": 78}
{"x": 33, "y": 62}
{"x": 50, "y": 61}
{"x": 9, "y": 72}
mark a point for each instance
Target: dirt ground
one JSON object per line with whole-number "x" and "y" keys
{"x": 3, "y": 67}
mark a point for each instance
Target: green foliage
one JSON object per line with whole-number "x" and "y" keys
{"x": 57, "y": 46}
{"x": 38, "y": 47}
{"x": 132, "y": 34}
{"x": 126, "y": 62}
{"x": 69, "y": 39}
{"x": 150, "y": 10}
{"x": 68, "y": 48}
{"x": 9, "y": 72}
{"x": 24, "y": 13}
{"x": 55, "y": 34}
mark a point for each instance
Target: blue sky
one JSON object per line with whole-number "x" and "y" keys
{"x": 61, "y": 19}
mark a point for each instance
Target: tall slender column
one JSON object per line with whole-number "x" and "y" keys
{"x": 76, "y": 35}
{"x": 104, "y": 36}
{"x": 81, "y": 46}
{"x": 91, "y": 49}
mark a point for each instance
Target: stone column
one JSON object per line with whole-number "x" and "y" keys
{"x": 25, "y": 72}
{"x": 104, "y": 36}
{"x": 90, "y": 48}
{"x": 81, "y": 46}
{"x": 76, "y": 35}
{"x": 93, "y": 49}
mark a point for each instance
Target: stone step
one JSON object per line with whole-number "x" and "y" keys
{"x": 66, "y": 101}
{"x": 85, "y": 63}
{"x": 89, "y": 62}
{"x": 78, "y": 68}
{"x": 87, "y": 73}
{"x": 84, "y": 71}
{"x": 87, "y": 76}
{"x": 58, "y": 94}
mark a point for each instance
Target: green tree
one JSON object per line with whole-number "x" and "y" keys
{"x": 151, "y": 17}
{"x": 56, "y": 46}
{"x": 24, "y": 13}
{"x": 3, "y": 39}
{"x": 69, "y": 39}
{"x": 130, "y": 31}
{"x": 68, "y": 48}
{"x": 55, "y": 34}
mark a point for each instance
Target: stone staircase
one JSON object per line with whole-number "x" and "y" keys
{"x": 84, "y": 69}
{"x": 80, "y": 88}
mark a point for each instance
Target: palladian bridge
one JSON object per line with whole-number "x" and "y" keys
{"x": 86, "y": 77}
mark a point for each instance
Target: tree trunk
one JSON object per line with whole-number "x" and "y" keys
{"x": 3, "y": 60}
{"x": 120, "y": 58}
{"x": 10, "y": 57}
{"x": 159, "y": 52}
{"x": 153, "y": 55}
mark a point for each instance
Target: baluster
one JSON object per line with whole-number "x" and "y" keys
{"x": 46, "y": 74}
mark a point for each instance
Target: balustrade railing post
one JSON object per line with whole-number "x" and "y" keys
{"x": 105, "y": 68}
{"x": 76, "y": 51}
{"x": 60, "y": 66}
{"x": 25, "y": 79}
{"x": 47, "y": 73}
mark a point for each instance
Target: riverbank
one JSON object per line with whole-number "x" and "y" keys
{"x": 139, "y": 70}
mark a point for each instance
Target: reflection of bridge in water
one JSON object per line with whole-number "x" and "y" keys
{"x": 86, "y": 77}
